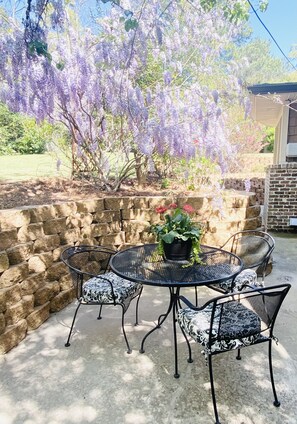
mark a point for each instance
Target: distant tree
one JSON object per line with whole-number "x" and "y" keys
{"x": 258, "y": 65}
{"x": 11, "y": 129}
{"x": 21, "y": 134}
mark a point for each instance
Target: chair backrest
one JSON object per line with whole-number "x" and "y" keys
{"x": 86, "y": 261}
{"x": 246, "y": 314}
{"x": 252, "y": 246}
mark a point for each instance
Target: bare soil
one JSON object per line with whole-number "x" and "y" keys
{"x": 49, "y": 191}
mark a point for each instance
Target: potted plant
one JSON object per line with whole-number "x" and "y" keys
{"x": 178, "y": 237}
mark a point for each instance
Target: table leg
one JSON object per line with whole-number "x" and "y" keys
{"x": 174, "y": 308}
{"x": 174, "y": 293}
{"x": 160, "y": 322}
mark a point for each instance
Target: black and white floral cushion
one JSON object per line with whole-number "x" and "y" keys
{"x": 97, "y": 289}
{"x": 247, "y": 276}
{"x": 239, "y": 326}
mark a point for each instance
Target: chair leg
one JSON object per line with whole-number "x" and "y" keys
{"x": 67, "y": 344}
{"x": 238, "y": 357}
{"x": 190, "y": 359}
{"x": 196, "y": 296}
{"x": 129, "y": 350}
{"x": 276, "y": 401}
{"x": 137, "y": 302}
{"x": 213, "y": 390}
{"x": 99, "y": 315}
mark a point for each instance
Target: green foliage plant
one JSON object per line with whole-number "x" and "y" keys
{"x": 178, "y": 224}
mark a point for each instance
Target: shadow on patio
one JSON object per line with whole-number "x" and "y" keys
{"x": 96, "y": 381}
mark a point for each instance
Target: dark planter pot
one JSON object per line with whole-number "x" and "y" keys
{"x": 178, "y": 250}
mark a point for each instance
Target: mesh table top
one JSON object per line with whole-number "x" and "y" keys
{"x": 138, "y": 264}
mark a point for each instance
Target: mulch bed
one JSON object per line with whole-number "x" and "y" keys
{"x": 49, "y": 191}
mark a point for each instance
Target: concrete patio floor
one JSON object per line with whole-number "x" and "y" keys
{"x": 96, "y": 381}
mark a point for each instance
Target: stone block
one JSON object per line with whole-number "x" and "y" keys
{"x": 4, "y": 262}
{"x": 14, "y": 218}
{"x": 136, "y": 226}
{"x": 141, "y": 203}
{"x": 2, "y": 300}
{"x": 216, "y": 239}
{"x": 95, "y": 230}
{"x": 66, "y": 282}
{"x": 32, "y": 283}
{"x": 62, "y": 299}
{"x": 90, "y": 206}
{"x": 39, "y": 263}
{"x": 38, "y": 316}
{"x": 56, "y": 271}
{"x": 30, "y": 232}
{"x": 58, "y": 251}
{"x": 70, "y": 236}
{"x": 240, "y": 200}
{"x": 10, "y": 296}
{"x": 107, "y": 216}
{"x": 13, "y": 275}
{"x": 114, "y": 227}
{"x": 145, "y": 237}
{"x": 87, "y": 241}
{"x": 216, "y": 226}
{"x": 117, "y": 203}
{"x": 198, "y": 203}
{"x": 54, "y": 226}
{"x": 113, "y": 239}
{"x": 251, "y": 224}
{"x": 137, "y": 214}
{"x": 12, "y": 336}
{"x": 253, "y": 211}
{"x": 65, "y": 209}
{"x": 159, "y": 201}
{"x": 2, "y": 323}
{"x": 42, "y": 213}
{"x": 20, "y": 253}
{"x": 79, "y": 220}
{"x": 46, "y": 244}
{"x": 46, "y": 293}
{"x": 8, "y": 239}
{"x": 19, "y": 310}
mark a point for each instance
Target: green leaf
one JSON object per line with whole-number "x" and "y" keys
{"x": 131, "y": 24}
{"x": 169, "y": 237}
{"x": 60, "y": 66}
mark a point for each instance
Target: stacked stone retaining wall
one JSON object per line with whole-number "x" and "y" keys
{"x": 34, "y": 282}
{"x": 255, "y": 185}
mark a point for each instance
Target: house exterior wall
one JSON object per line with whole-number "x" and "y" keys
{"x": 280, "y": 196}
{"x": 292, "y": 134}
{"x": 34, "y": 282}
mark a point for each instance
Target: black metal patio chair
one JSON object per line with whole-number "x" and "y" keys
{"x": 231, "y": 322}
{"x": 254, "y": 249}
{"x": 95, "y": 284}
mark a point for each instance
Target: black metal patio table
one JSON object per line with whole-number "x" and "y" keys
{"x": 140, "y": 264}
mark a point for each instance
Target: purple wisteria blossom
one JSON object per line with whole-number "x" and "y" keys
{"x": 127, "y": 94}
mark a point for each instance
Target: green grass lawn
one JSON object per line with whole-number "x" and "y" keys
{"x": 25, "y": 167}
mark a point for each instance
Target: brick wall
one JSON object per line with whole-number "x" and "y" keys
{"x": 281, "y": 196}
{"x": 33, "y": 280}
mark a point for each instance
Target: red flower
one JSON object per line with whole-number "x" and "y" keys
{"x": 161, "y": 209}
{"x": 188, "y": 208}
{"x": 172, "y": 206}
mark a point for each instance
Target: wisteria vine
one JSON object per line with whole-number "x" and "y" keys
{"x": 126, "y": 91}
